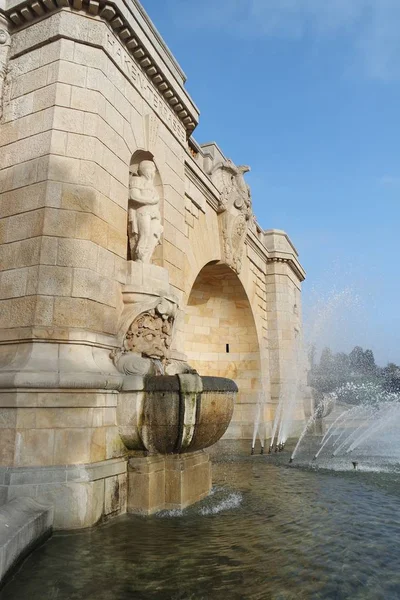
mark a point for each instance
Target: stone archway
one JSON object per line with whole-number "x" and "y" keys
{"x": 220, "y": 339}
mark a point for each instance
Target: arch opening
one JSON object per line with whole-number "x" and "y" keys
{"x": 220, "y": 339}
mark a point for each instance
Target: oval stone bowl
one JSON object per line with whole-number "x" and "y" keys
{"x": 175, "y": 414}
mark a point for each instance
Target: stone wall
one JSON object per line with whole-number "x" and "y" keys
{"x": 221, "y": 340}
{"x": 87, "y": 91}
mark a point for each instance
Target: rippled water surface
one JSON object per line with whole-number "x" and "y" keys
{"x": 267, "y": 532}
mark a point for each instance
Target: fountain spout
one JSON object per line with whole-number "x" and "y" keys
{"x": 158, "y": 366}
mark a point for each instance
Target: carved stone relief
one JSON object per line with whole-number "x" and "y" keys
{"x": 148, "y": 337}
{"x": 235, "y": 209}
{"x": 144, "y": 218}
{"x": 5, "y": 42}
{"x": 152, "y": 125}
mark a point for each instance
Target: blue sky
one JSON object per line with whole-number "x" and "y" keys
{"x": 307, "y": 93}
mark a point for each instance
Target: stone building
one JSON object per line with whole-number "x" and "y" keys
{"x": 106, "y": 203}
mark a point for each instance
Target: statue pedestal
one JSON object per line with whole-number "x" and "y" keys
{"x": 167, "y": 482}
{"x": 187, "y": 479}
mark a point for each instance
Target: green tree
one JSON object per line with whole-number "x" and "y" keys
{"x": 356, "y": 359}
{"x": 326, "y": 361}
{"x": 369, "y": 365}
{"x": 391, "y": 377}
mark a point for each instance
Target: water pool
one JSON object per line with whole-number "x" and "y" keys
{"x": 268, "y": 531}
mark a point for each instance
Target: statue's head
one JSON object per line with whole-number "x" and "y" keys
{"x": 147, "y": 168}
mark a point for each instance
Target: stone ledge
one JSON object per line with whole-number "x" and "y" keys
{"x": 58, "y": 365}
{"x": 24, "y": 523}
{"x": 12, "y": 476}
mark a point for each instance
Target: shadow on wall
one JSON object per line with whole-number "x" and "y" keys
{"x": 221, "y": 338}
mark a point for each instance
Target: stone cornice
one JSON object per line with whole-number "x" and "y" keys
{"x": 291, "y": 261}
{"x": 147, "y": 53}
{"x": 140, "y": 13}
{"x": 270, "y": 257}
{"x": 281, "y": 233}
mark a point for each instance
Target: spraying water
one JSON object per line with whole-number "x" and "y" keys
{"x": 260, "y": 426}
{"x": 324, "y": 313}
{"x": 368, "y": 429}
{"x": 323, "y": 408}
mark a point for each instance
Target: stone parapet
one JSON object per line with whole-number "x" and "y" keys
{"x": 81, "y": 495}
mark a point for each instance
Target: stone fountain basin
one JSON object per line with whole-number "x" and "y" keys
{"x": 176, "y": 414}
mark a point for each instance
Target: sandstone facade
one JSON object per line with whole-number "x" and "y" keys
{"x": 88, "y": 91}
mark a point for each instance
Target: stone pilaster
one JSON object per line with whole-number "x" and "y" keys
{"x": 283, "y": 285}
{"x": 5, "y": 41}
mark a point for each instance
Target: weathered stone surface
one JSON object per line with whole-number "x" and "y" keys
{"x": 146, "y": 485}
{"x": 174, "y": 414}
{"x": 80, "y": 495}
{"x": 23, "y": 524}
{"x": 156, "y": 483}
{"x": 188, "y": 479}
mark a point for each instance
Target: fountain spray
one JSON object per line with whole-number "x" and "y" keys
{"x": 327, "y": 437}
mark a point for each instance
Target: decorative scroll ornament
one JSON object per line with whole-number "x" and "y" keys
{"x": 5, "y": 42}
{"x": 235, "y": 209}
{"x": 144, "y": 219}
{"x": 148, "y": 338}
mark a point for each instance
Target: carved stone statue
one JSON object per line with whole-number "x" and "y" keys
{"x": 144, "y": 219}
{"x": 148, "y": 337}
{"x": 235, "y": 209}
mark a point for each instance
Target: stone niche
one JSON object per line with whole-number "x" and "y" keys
{"x": 145, "y": 204}
{"x": 110, "y": 212}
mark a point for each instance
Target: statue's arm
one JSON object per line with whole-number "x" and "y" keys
{"x": 136, "y": 194}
